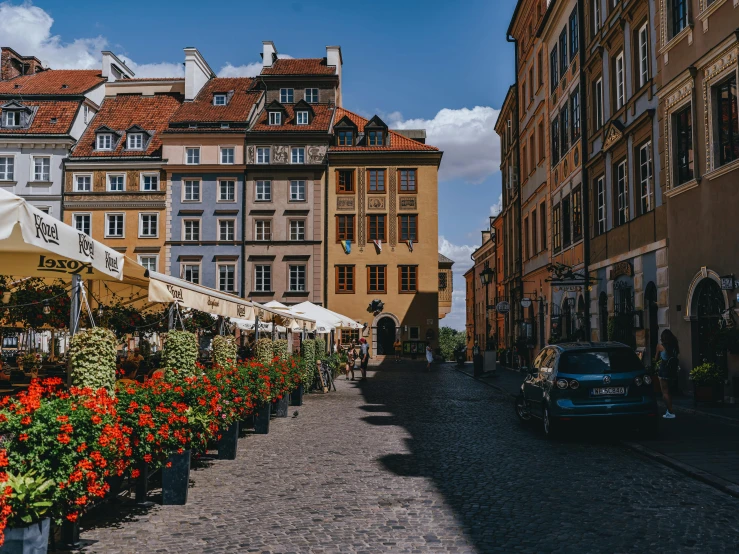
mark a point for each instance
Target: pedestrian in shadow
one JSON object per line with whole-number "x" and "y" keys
{"x": 666, "y": 357}
{"x": 364, "y": 353}
{"x": 429, "y": 356}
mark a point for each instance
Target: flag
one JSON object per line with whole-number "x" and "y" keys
{"x": 347, "y": 245}
{"x": 378, "y": 244}
{"x": 410, "y": 245}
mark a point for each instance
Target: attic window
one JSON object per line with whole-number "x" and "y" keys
{"x": 104, "y": 141}
{"x": 346, "y": 138}
{"x": 219, "y": 100}
{"x": 135, "y": 141}
{"x": 225, "y": 125}
{"x": 375, "y": 138}
{"x": 193, "y": 126}
{"x": 275, "y": 118}
{"x": 17, "y": 86}
{"x": 65, "y": 86}
{"x": 302, "y": 118}
{"x": 11, "y": 118}
{"x": 54, "y": 120}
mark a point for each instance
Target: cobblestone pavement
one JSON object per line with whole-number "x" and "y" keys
{"x": 410, "y": 461}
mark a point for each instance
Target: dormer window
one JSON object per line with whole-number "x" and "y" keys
{"x": 275, "y": 118}
{"x": 219, "y": 100}
{"x": 11, "y": 118}
{"x": 346, "y": 138}
{"x": 104, "y": 141}
{"x": 375, "y": 138}
{"x": 287, "y": 95}
{"x": 301, "y": 118}
{"x": 135, "y": 141}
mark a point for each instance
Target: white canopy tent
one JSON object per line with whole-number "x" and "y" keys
{"x": 326, "y": 320}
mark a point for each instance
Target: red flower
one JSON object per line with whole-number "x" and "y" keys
{"x": 135, "y": 473}
{"x": 63, "y": 438}
{"x": 169, "y": 464}
{"x": 72, "y": 517}
{"x": 23, "y": 437}
{"x": 96, "y": 419}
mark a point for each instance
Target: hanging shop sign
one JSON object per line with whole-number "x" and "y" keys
{"x": 525, "y": 303}
{"x": 503, "y": 307}
{"x": 570, "y": 288}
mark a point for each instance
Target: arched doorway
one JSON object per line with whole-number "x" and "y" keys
{"x": 385, "y": 336}
{"x": 708, "y": 305}
{"x": 650, "y": 305}
{"x": 603, "y": 316}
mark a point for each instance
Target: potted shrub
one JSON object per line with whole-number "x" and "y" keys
{"x": 708, "y": 382}
{"x": 224, "y": 350}
{"x": 29, "y": 500}
{"x": 92, "y": 359}
{"x": 180, "y": 353}
{"x": 296, "y": 371}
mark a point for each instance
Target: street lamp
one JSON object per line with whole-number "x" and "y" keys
{"x": 486, "y": 276}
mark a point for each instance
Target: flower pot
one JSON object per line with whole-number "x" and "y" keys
{"x": 33, "y": 539}
{"x": 114, "y": 482}
{"x": 708, "y": 393}
{"x": 261, "y": 418}
{"x": 296, "y": 397}
{"x": 228, "y": 442}
{"x": 281, "y": 406}
{"x": 176, "y": 479}
{"x": 142, "y": 482}
{"x": 70, "y": 534}
{"x": 247, "y": 422}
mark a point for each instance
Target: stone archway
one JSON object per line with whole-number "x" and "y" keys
{"x": 375, "y": 324}
{"x": 690, "y": 304}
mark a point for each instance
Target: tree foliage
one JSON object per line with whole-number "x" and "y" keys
{"x": 449, "y": 340}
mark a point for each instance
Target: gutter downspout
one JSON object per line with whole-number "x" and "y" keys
{"x": 243, "y": 228}
{"x": 325, "y": 234}
{"x": 515, "y": 309}
{"x": 474, "y": 303}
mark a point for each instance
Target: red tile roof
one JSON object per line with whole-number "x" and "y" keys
{"x": 61, "y": 110}
{"x": 54, "y": 81}
{"x": 397, "y": 141}
{"x": 202, "y": 109}
{"x": 321, "y": 120}
{"x": 299, "y": 66}
{"x": 122, "y": 112}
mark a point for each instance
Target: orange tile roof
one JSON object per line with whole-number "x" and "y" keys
{"x": 299, "y": 66}
{"x": 398, "y": 142}
{"x": 54, "y": 81}
{"x": 202, "y": 109}
{"x": 321, "y": 120}
{"x": 122, "y": 112}
{"x": 61, "y": 110}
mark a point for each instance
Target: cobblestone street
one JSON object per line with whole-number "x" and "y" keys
{"x": 415, "y": 462}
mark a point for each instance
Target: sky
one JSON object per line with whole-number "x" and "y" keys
{"x": 434, "y": 64}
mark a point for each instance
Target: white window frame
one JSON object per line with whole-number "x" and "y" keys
{"x": 259, "y": 228}
{"x": 225, "y": 150}
{"x": 184, "y": 191}
{"x": 643, "y": 35}
{"x": 257, "y": 267}
{"x": 108, "y": 215}
{"x": 275, "y": 118}
{"x": 15, "y": 114}
{"x": 45, "y": 209}
{"x": 6, "y": 175}
{"x": 261, "y": 151}
{"x": 264, "y": 197}
{"x": 600, "y": 185}
{"x": 620, "y": 81}
{"x": 301, "y": 117}
{"x": 75, "y": 178}
{"x": 155, "y": 257}
{"x": 141, "y": 225}
{"x": 599, "y": 103}
{"x": 298, "y": 223}
{"x": 200, "y": 229}
{"x": 223, "y": 97}
{"x": 221, "y": 221}
{"x": 645, "y": 176}
{"x": 221, "y": 199}
{"x": 309, "y": 94}
{"x": 298, "y": 287}
{"x": 287, "y": 95}
{"x": 596, "y": 15}
{"x": 88, "y": 215}
{"x": 195, "y": 151}
{"x": 297, "y": 155}
{"x": 135, "y": 136}
{"x": 622, "y": 194}
{"x": 235, "y": 276}
{"x": 85, "y": 114}
{"x": 142, "y": 179}
{"x": 100, "y": 140}
{"x": 33, "y": 169}
{"x": 295, "y": 189}
{"x": 107, "y": 181}
{"x": 183, "y": 271}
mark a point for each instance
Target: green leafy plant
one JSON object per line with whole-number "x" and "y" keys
{"x": 707, "y": 374}
{"x": 30, "y": 499}
{"x": 321, "y": 349}
{"x": 265, "y": 351}
{"x": 308, "y": 364}
{"x": 180, "y": 354}
{"x": 611, "y": 328}
{"x": 224, "y": 350}
{"x": 279, "y": 349}
{"x": 92, "y": 359}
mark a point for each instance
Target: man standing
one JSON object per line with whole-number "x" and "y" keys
{"x": 398, "y": 347}
{"x": 364, "y": 353}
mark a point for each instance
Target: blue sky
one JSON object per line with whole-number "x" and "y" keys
{"x": 438, "y": 64}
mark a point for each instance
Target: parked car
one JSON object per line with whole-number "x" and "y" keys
{"x": 575, "y": 381}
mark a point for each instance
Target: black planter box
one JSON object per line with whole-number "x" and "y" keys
{"x": 70, "y": 534}
{"x": 176, "y": 479}
{"x": 229, "y": 442}
{"x": 261, "y": 418}
{"x": 296, "y": 397}
{"x": 281, "y": 406}
{"x": 33, "y": 539}
{"x": 142, "y": 482}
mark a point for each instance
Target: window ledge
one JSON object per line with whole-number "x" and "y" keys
{"x": 8, "y": 183}
{"x": 688, "y": 30}
{"x": 705, "y": 14}
{"x": 40, "y": 183}
{"x": 681, "y": 188}
{"x": 722, "y": 170}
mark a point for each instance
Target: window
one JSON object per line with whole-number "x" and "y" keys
{"x": 275, "y": 118}
{"x": 563, "y": 62}
{"x": 114, "y": 225}
{"x": 83, "y": 183}
{"x": 345, "y": 227}
{"x": 564, "y": 129}
{"x": 540, "y": 68}
{"x": 7, "y": 168}
{"x": 227, "y": 191}
{"x": 574, "y": 34}
{"x": 191, "y": 273}
{"x": 409, "y": 227}
{"x": 600, "y": 203}
{"x": 377, "y": 180}
{"x": 301, "y": 117}
{"x": 264, "y": 191}
{"x": 41, "y": 169}
{"x": 598, "y": 93}
{"x": 86, "y": 114}
{"x": 566, "y": 222}
{"x": 532, "y": 151}
{"x": 297, "y": 191}
{"x": 12, "y": 118}
{"x": 297, "y": 229}
{"x": 263, "y": 155}
{"x": 526, "y": 234}
{"x": 684, "y": 142}
{"x": 407, "y": 180}
{"x": 227, "y": 277}
{"x": 227, "y": 229}
{"x": 727, "y": 136}
{"x": 575, "y": 109}
{"x": 104, "y": 141}
{"x": 192, "y": 191}
{"x": 679, "y": 15}
{"x": 543, "y": 225}
{"x": 376, "y": 227}
{"x": 149, "y": 262}
{"x": 523, "y": 97}
{"x": 298, "y": 155}
{"x": 192, "y": 156}
{"x": 541, "y": 141}
{"x": 534, "y": 237}
{"x": 554, "y": 140}
{"x": 622, "y": 194}
{"x": 150, "y": 182}
{"x": 219, "y": 100}
{"x": 377, "y": 278}
{"x": 116, "y": 183}
{"x": 297, "y": 278}
{"x": 645, "y": 176}
{"x": 414, "y": 333}
{"x": 192, "y": 229}
{"x": 344, "y": 279}
{"x": 408, "y": 278}
{"x": 524, "y": 160}
{"x": 311, "y": 95}
{"x": 620, "y": 84}
{"x": 286, "y": 95}
{"x": 82, "y": 222}
{"x": 596, "y": 15}
{"x": 227, "y": 155}
{"x": 643, "y": 55}
{"x": 263, "y": 278}
{"x": 346, "y": 138}
{"x": 135, "y": 141}
{"x": 375, "y": 138}
{"x": 577, "y": 214}
{"x": 553, "y": 70}
{"x": 556, "y": 231}
{"x": 345, "y": 181}
{"x": 262, "y": 229}
{"x": 148, "y": 225}
{"x": 531, "y": 83}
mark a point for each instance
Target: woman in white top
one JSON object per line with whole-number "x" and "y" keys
{"x": 429, "y": 356}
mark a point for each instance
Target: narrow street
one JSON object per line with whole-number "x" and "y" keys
{"x": 416, "y": 462}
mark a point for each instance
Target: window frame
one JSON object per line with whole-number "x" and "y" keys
{"x": 184, "y": 198}
{"x": 574, "y": 102}
{"x": 8, "y": 176}
{"x": 342, "y": 136}
{"x": 300, "y": 115}
{"x": 88, "y": 215}
{"x": 224, "y": 150}
{"x": 141, "y": 234}
{"x": 377, "y": 182}
{"x": 566, "y": 213}
{"x": 309, "y": 99}
{"x": 556, "y": 230}
{"x": 349, "y": 279}
{"x": 287, "y": 95}
{"x": 376, "y": 138}
{"x": 619, "y": 80}
{"x": 191, "y": 264}
{"x": 100, "y": 137}
{"x": 33, "y": 169}
{"x": 407, "y": 190}
{"x": 300, "y": 151}
{"x": 130, "y": 136}
{"x": 342, "y": 188}
{"x": 401, "y": 290}
{"x": 268, "y": 183}
{"x": 598, "y": 104}
{"x": 377, "y": 277}
{"x": 648, "y": 183}
{"x": 216, "y": 97}
{"x": 411, "y": 217}
{"x": 601, "y": 215}
{"x": 290, "y": 229}
{"x": 265, "y": 268}
{"x": 577, "y": 214}
{"x": 621, "y": 192}
{"x": 107, "y": 234}
{"x": 142, "y": 181}
{"x": 140, "y": 259}
{"x": 225, "y": 220}
{"x": 375, "y": 227}
{"x": 195, "y": 151}
{"x": 220, "y": 199}
{"x": 75, "y": 183}
{"x": 343, "y": 236}
{"x": 298, "y": 268}
{"x": 718, "y": 131}
{"x": 187, "y": 220}
{"x": 275, "y": 117}
{"x": 234, "y": 276}
{"x": 643, "y": 54}
{"x": 108, "y": 182}
{"x": 265, "y": 231}
{"x": 261, "y": 150}
{"x": 298, "y": 198}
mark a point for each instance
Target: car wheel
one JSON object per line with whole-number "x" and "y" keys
{"x": 522, "y": 409}
{"x": 548, "y": 424}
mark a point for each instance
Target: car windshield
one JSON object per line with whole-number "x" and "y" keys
{"x": 617, "y": 360}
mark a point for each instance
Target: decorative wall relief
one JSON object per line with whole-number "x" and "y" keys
{"x": 250, "y": 155}
{"x": 316, "y": 154}
{"x": 393, "y": 206}
{"x": 360, "y": 195}
{"x": 408, "y": 203}
{"x": 345, "y": 203}
{"x": 281, "y": 155}
{"x": 376, "y": 203}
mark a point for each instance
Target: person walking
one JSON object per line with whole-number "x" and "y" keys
{"x": 364, "y": 353}
{"x": 398, "y": 347}
{"x": 667, "y": 351}
{"x": 429, "y": 356}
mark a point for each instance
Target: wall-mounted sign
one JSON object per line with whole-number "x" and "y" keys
{"x": 622, "y": 268}
{"x": 525, "y": 303}
{"x": 503, "y": 307}
{"x": 727, "y": 282}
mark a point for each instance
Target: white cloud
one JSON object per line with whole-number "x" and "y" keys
{"x": 467, "y": 137}
{"x": 460, "y": 254}
{"x": 248, "y": 70}
{"x": 496, "y": 208}
{"x": 162, "y": 69}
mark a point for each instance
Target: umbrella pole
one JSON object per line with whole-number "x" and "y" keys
{"x": 256, "y": 327}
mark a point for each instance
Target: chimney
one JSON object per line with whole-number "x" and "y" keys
{"x": 115, "y": 69}
{"x": 333, "y": 57}
{"x": 12, "y": 64}
{"x": 269, "y": 53}
{"x": 197, "y": 73}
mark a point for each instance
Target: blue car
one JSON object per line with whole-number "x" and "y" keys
{"x": 575, "y": 381}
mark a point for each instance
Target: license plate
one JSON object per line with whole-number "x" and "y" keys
{"x": 609, "y": 391}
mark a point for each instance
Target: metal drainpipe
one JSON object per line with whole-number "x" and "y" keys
{"x": 243, "y": 229}
{"x": 325, "y": 234}
{"x": 474, "y": 303}
{"x": 514, "y": 310}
